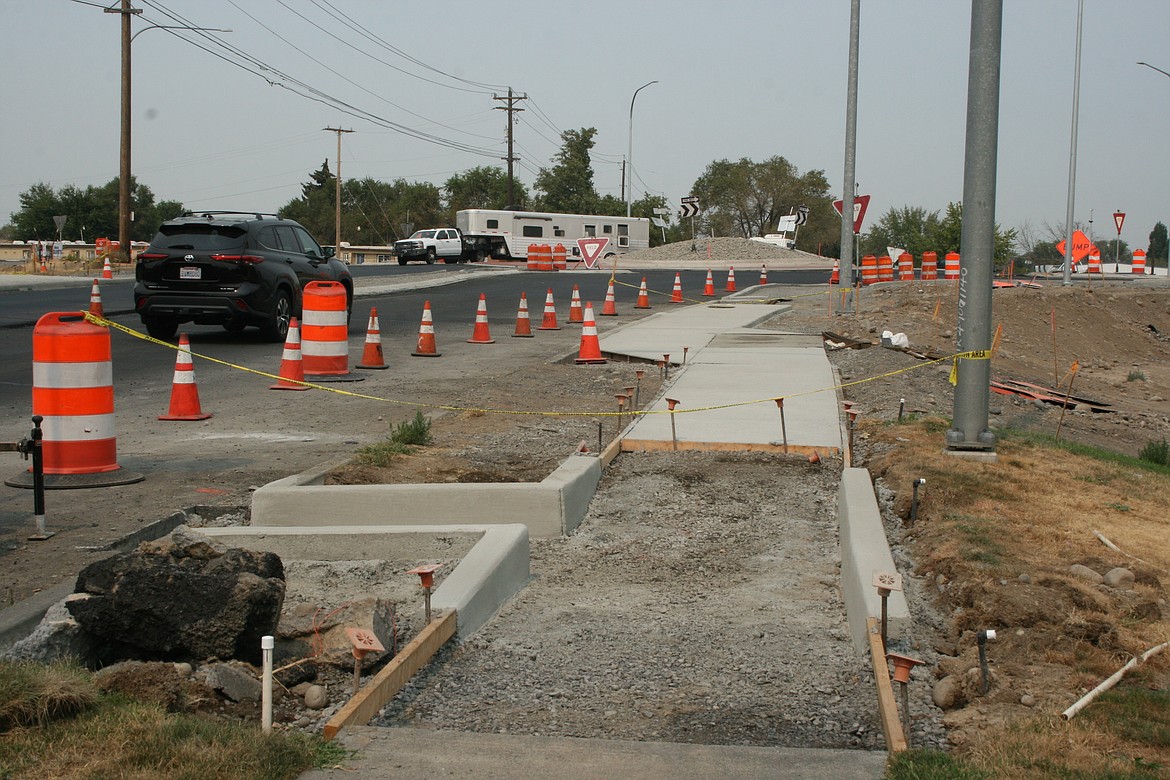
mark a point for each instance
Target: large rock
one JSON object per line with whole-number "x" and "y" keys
{"x": 190, "y": 600}
{"x": 58, "y": 637}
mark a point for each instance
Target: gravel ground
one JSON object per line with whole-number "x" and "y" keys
{"x": 699, "y": 602}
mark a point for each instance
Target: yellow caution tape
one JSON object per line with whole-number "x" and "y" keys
{"x": 982, "y": 354}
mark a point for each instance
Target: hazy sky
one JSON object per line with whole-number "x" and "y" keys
{"x": 736, "y": 79}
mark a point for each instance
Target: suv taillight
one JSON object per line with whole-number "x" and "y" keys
{"x": 238, "y": 258}
{"x": 152, "y": 256}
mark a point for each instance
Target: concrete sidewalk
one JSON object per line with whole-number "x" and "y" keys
{"x": 728, "y": 362}
{"x": 417, "y": 753}
{"x": 738, "y": 370}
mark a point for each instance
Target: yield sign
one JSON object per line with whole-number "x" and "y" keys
{"x": 591, "y": 249}
{"x": 860, "y": 204}
{"x": 1081, "y": 246}
{"x": 1119, "y": 220}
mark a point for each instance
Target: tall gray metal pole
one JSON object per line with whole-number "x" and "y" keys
{"x": 977, "y": 248}
{"x": 845, "y": 305}
{"x": 1072, "y": 155}
{"x": 630, "y": 157}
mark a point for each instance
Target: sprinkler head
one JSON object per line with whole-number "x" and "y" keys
{"x": 363, "y": 642}
{"x": 885, "y": 582}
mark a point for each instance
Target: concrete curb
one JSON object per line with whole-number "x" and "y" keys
{"x": 550, "y": 508}
{"x": 19, "y": 620}
{"x": 865, "y": 550}
{"x": 494, "y": 570}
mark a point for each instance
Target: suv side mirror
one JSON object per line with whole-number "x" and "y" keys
{"x": 328, "y": 252}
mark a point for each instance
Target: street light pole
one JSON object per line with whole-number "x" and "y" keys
{"x": 630, "y": 156}
{"x": 1167, "y": 75}
{"x": 124, "y": 210}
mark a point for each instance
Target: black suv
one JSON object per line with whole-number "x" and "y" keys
{"x": 233, "y": 269}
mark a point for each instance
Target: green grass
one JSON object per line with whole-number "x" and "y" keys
{"x": 930, "y": 765}
{"x": 1157, "y": 452}
{"x": 118, "y": 737}
{"x": 1141, "y": 714}
{"x": 1136, "y": 376}
{"x": 978, "y": 545}
{"x": 404, "y": 438}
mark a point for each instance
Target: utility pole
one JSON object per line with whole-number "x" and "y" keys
{"x": 623, "y": 178}
{"x": 510, "y": 100}
{"x": 337, "y": 198}
{"x": 124, "y": 143}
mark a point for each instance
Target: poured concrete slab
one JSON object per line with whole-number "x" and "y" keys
{"x": 685, "y": 325}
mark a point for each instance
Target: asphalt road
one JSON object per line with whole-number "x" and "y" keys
{"x": 453, "y": 307}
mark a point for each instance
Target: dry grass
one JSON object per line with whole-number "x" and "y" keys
{"x": 32, "y": 694}
{"x": 1034, "y": 513}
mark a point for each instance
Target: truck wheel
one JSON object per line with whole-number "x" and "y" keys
{"x": 431, "y": 256}
{"x": 402, "y": 260}
{"x": 479, "y": 256}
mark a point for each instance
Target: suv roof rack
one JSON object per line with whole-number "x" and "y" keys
{"x": 210, "y": 214}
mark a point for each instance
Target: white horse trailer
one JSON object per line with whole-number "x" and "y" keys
{"x": 504, "y": 234}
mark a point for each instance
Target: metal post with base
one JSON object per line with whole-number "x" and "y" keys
{"x": 34, "y": 445}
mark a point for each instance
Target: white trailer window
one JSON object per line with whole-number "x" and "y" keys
{"x": 623, "y": 230}
{"x": 591, "y": 231}
{"x": 607, "y": 229}
{"x": 533, "y": 231}
{"x": 559, "y": 232}
{"x": 493, "y": 224}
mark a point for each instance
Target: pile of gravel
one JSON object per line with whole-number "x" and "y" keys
{"x": 719, "y": 253}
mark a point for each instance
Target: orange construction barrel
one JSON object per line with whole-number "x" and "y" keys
{"x": 885, "y": 269}
{"x": 951, "y": 269}
{"x": 560, "y": 257}
{"x": 929, "y": 266}
{"x": 1139, "y": 261}
{"x": 869, "y": 270}
{"x": 73, "y": 390}
{"x": 905, "y": 267}
{"x": 533, "y": 257}
{"x": 325, "y": 331}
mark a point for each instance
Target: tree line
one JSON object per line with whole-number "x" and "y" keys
{"x": 741, "y": 198}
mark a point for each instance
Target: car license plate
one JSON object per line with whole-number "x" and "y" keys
{"x": 190, "y": 272}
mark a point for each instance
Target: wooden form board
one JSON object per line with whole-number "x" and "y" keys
{"x": 887, "y": 704}
{"x": 389, "y": 681}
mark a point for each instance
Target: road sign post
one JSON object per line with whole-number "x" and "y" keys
{"x": 1119, "y": 220}
{"x": 690, "y": 207}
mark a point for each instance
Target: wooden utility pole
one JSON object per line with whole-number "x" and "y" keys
{"x": 511, "y": 158}
{"x": 337, "y": 198}
{"x": 124, "y": 207}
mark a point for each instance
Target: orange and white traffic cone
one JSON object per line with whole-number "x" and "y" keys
{"x": 372, "y": 354}
{"x": 523, "y": 324}
{"x": 95, "y": 300}
{"x": 730, "y": 279}
{"x": 292, "y": 369}
{"x": 763, "y": 275}
{"x": 550, "y": 314}
{"x": 481, "y": 334}
{"x": 590, "y": 351}
{"x": 575, "y": 312}
{"x": 709, "y": 286}
{"x": 609, "y": 308}
{"x": 184, "y": 393}
{"x": 836, "y": 277}
{"x": 676, "y": 293}
{"x": 643, "y": 296}
{"x": 107, "y": 272}
{"x": 426, "y": 335}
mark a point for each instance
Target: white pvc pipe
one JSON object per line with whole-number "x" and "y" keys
{"x": 266, "y": 645}
{"x": 1115, "y": 678}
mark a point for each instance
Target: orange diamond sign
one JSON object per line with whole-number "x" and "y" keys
{"x": 1081, "y": 246}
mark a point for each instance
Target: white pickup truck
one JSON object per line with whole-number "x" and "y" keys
{"x": 428, "y": 245}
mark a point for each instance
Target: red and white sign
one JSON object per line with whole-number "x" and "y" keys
{"x": 1081, "y": 246}
{"x": 860, "y": 204}
{"x": 591, "y": 249}
{"x": 1119, "y": 220}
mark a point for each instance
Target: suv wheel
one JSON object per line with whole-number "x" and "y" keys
{"x": 276, "y": 329}
{"x": 161, "y": 329}
{"x": 431, "y": 256}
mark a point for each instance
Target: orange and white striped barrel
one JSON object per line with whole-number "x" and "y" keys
{"x": 546, "y": 259}
{"x": 73, "y": 390}
{"x": 325, "y": 329}
{"x": 1139, "y": 261}
{"x": 905, "y": 267}
{"x": 533, "y": 258}
{"x": 885, "y": 269}
{"x": 869, "y": 270}
{"x": 951, "y": 267}
{"x": 929, "y": 271}
{"x": 1095, "y": 261}
{"x": 560, "y": 258}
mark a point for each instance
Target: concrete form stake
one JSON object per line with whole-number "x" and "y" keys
{"x": 671, "y": 403}
{"x": 783, "y": 427}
